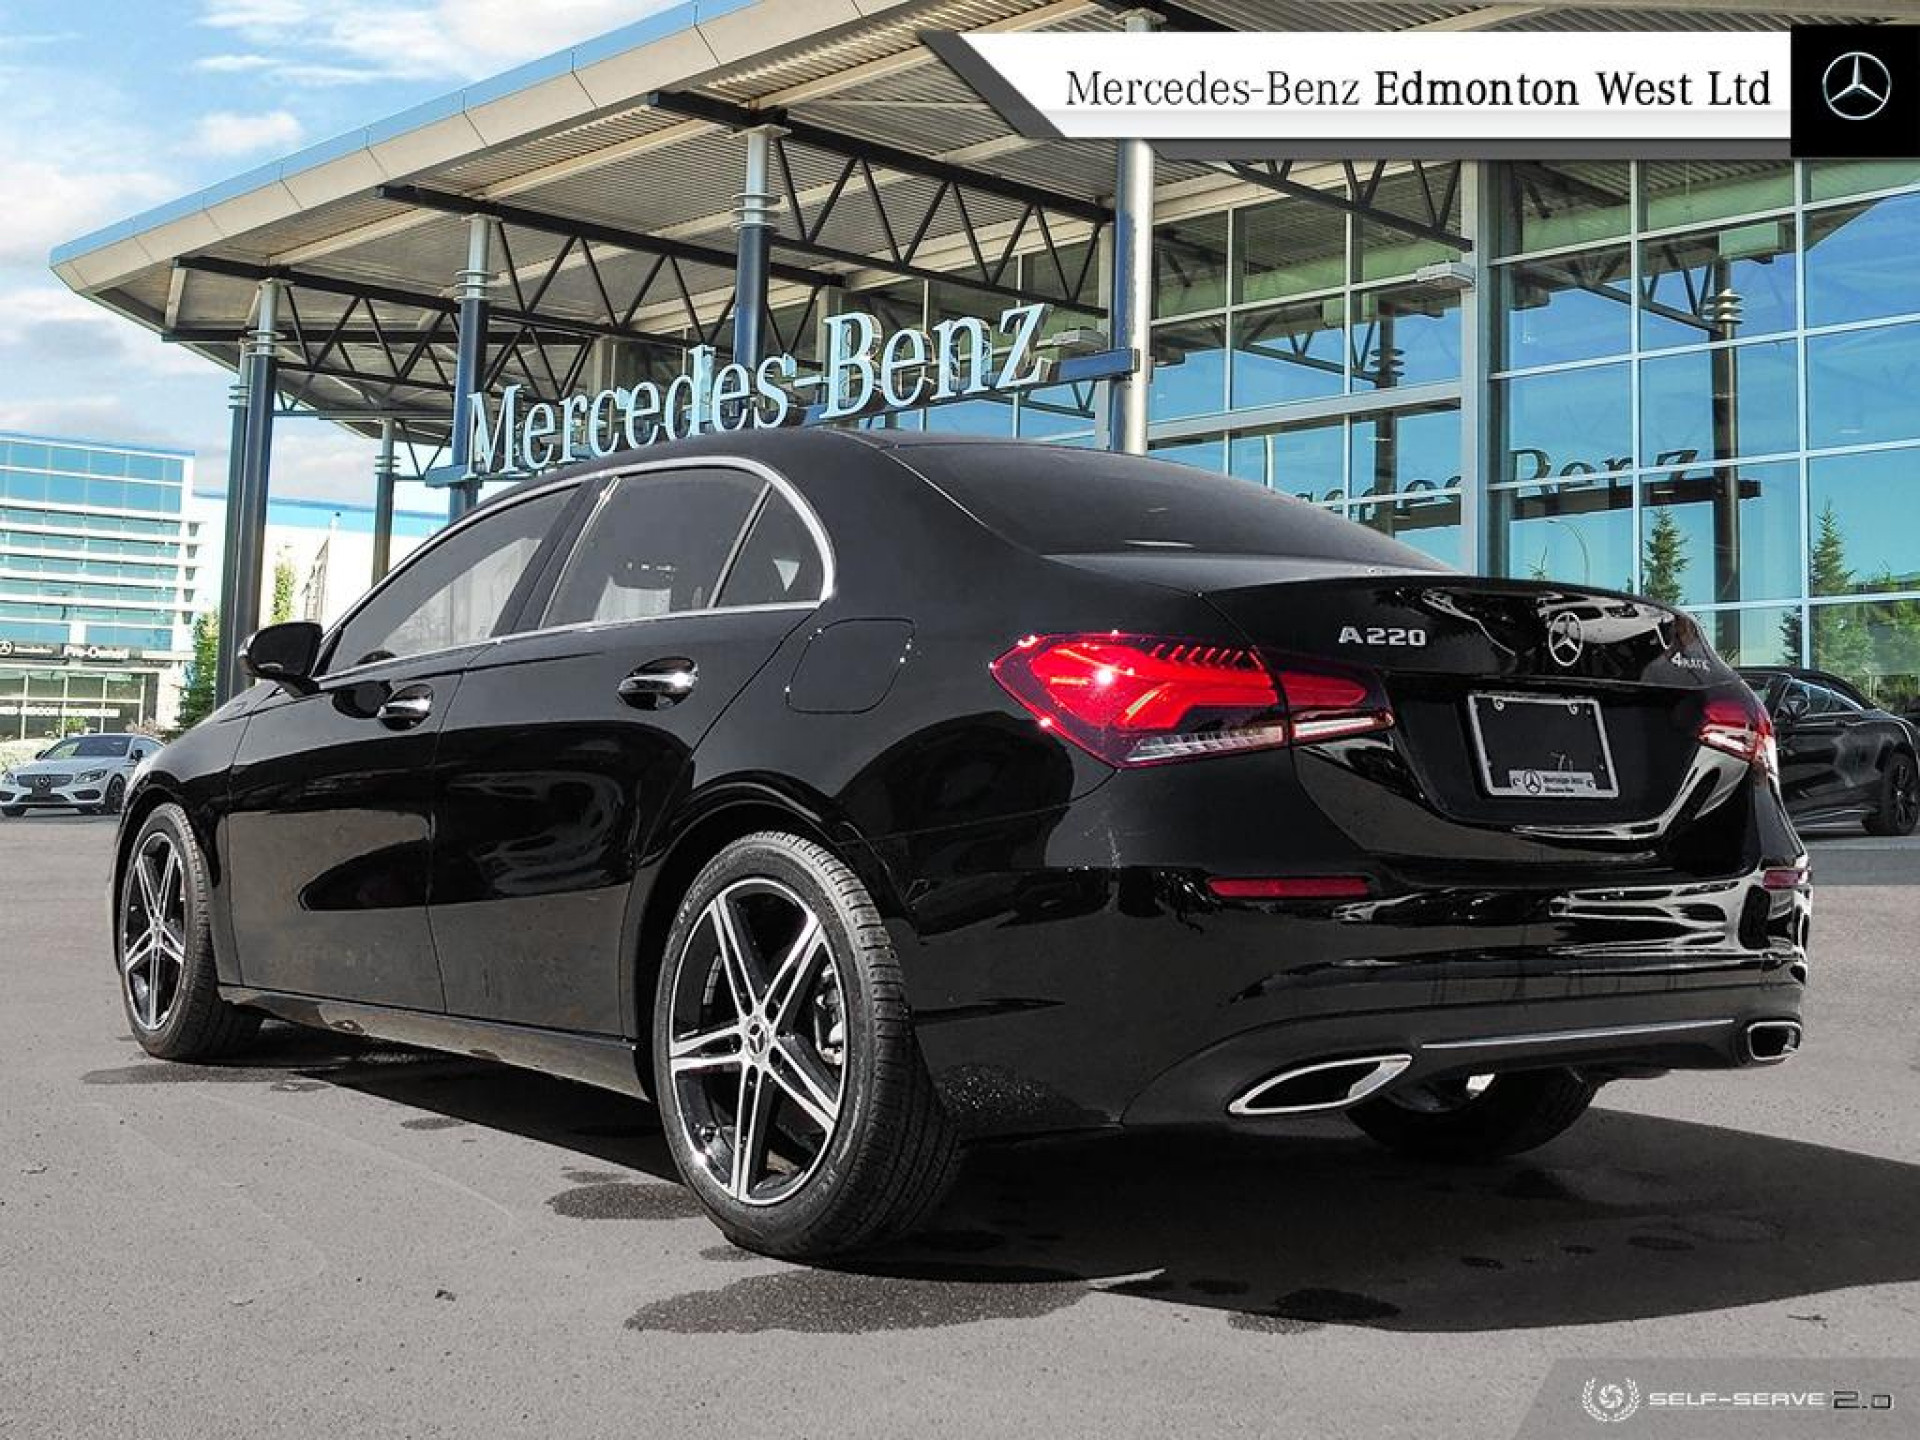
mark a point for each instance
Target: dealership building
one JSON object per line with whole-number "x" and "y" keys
{"x": 1698, "y": 379}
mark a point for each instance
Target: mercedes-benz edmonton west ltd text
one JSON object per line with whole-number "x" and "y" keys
{"x": 852, "y": 796}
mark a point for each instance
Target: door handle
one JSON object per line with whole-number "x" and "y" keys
{"x": 660, "y": 683}
{"x": 406, "y": 708}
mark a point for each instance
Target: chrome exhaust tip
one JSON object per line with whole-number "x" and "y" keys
{"x": 1324, "y": 1085}
{"x": 1771, "y": 1041}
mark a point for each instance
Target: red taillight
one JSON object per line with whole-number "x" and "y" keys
{"x": 1737, "y": 725}
{"x": 1145, "y": 699}
{"x": 1290, "y": 887}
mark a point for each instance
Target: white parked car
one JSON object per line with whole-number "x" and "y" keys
{"x": 88, "y": 773}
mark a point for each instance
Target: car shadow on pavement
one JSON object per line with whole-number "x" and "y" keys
{"x": 1626, "y": 1217}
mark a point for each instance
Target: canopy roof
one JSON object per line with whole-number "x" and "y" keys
{"x": 614, "y": 171}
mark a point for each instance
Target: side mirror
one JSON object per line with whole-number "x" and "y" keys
{"x": 284, "y": 654}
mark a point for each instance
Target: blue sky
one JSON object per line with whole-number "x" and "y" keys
{"x": 107, "y": 108}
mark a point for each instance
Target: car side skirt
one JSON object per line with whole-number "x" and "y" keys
{"x": 607, "y": 1061}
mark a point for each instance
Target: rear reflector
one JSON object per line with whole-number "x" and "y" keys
{"x": 1147, "y": 699}
{"x": 1737, "y": 724}
{"x": 1291, "y": 887}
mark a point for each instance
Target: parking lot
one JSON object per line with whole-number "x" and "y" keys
{"x": 359, "y": 1240}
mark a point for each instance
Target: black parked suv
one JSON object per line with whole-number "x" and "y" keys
{"x": 1842, "y": 757}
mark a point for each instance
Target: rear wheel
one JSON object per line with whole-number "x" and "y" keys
{"x": 794, "y": 1096}
{"x": 1899, "y": 808}
{"x": 164, "y": 948}
{"x": 1477, "y": 1117}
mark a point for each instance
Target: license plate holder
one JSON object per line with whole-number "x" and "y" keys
{"x": 1542, "y": 747}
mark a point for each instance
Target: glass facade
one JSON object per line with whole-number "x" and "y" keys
{"x": 1699, "y": 381}
{"x": 97, "y": 582}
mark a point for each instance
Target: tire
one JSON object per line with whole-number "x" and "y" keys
{"x": 1448, "y": 1120}
{"x": 858, "y": 1150}
{"x": 1899, "y": 808}
{"x": 116, "y": 797}
{"x": 168, "y": 986}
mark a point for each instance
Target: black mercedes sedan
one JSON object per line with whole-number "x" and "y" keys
{"x": 1843, "y": 759}
{"x": 852, "y": 795}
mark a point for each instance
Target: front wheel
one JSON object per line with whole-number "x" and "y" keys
{"x": 164, "y": 947}
{"x": 1899, "y": 808}
{"x": 1476, "y": 1117}
{"x": 792, "y": 1090}
{"x": 116, "y": 796}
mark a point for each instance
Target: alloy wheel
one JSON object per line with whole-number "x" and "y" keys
{"x": 757, "y": 1049}
{"x": 1906, "y": 796}
{"x": 153, "y": 931}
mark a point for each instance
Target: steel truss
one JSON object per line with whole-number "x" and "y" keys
{"x": 1438, "y": 189}
{"x": 906, "y": 221}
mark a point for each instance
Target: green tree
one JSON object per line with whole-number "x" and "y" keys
{"x": 1842, "y": 636}
{"x": 283, "y": 583}
{"x": 1664, "y": 559}
{"x": 196, "y": 696}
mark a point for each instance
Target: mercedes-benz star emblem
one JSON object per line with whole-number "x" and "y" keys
{"x": 1856, "y": 85}
{"x": 1566, "y": 638}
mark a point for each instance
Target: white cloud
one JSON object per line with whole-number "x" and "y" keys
{"x": 233, "y": 64}
{"x": 228, "y": 133}
{"x": 334, "y": 42}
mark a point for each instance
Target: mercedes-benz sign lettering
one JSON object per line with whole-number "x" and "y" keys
{"x": 1856, "y": 85}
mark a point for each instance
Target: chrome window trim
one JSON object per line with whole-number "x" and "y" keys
{"x": 829, "y": 570}
{"x": 432, "y": 543}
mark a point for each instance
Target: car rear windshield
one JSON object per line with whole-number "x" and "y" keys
{"x": 1080, "y": 502}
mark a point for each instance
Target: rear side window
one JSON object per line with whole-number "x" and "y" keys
{"x": 780, "y": 564}
{"x": 656, "y": 544}
{"x": 1057, "y": 501}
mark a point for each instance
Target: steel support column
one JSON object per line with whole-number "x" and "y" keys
{"x": 470, "y": 358}
{"x": 1483, "y": 529}
{"x": 1131, "y": 302}
{"x": 226, "y": 677}
{"x": 753, "y": 225}
{"x": 385, "y": 470}
{"x": 261, "y": 368}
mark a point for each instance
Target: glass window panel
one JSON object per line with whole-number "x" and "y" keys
{"x": 1307, "y": 461}
{"x": 1067, "y": 272}
{"x": 1831, "y": 179}
{"x": 1406, "y": 450}
{"x": 1429, "y": 523}
{"x": 1429, "y": 195}
{"x": 147, "y": 467}
{"x": 1864, "y": 536}
{"x": 1189, "y": 369}
{"x": 1288, "y": 247}
{"x": 66, "y": 457}
{"x": 1190, "y": 265}
{"x": 1860, "y": 261}
{"x": 1861, "y": 386}
{"x": 972, "y": 417}
{"x": 1579, "y": 533}
{"x": 1406, "y": 335}
{"x": 1721, "y": 403}
{"x": 1875, "y": 644}
{"x": 1723, "y": 285}
{"x": 1680, "y": 192}
{"x": 1720, "y": 536}
{"x": 1057, "y": 410}
{"x": 1545, "y": 206}
{"x": 1564, "y": 423}
{"x": 1288, "y": 352}
{"x": 1570, "y": 307}
{"x": 1208, "y": 454}
{"x": 1755, "y": 635}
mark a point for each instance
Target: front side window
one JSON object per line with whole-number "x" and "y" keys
{"x": 456, "y": 592}
{"x": 656, "y": 545}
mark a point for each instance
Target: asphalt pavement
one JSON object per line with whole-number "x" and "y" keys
{"x": 344, "y": 1239}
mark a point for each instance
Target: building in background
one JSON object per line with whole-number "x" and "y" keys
{"x": 99, "y": 577}
{"x": 1695, "y": 379}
